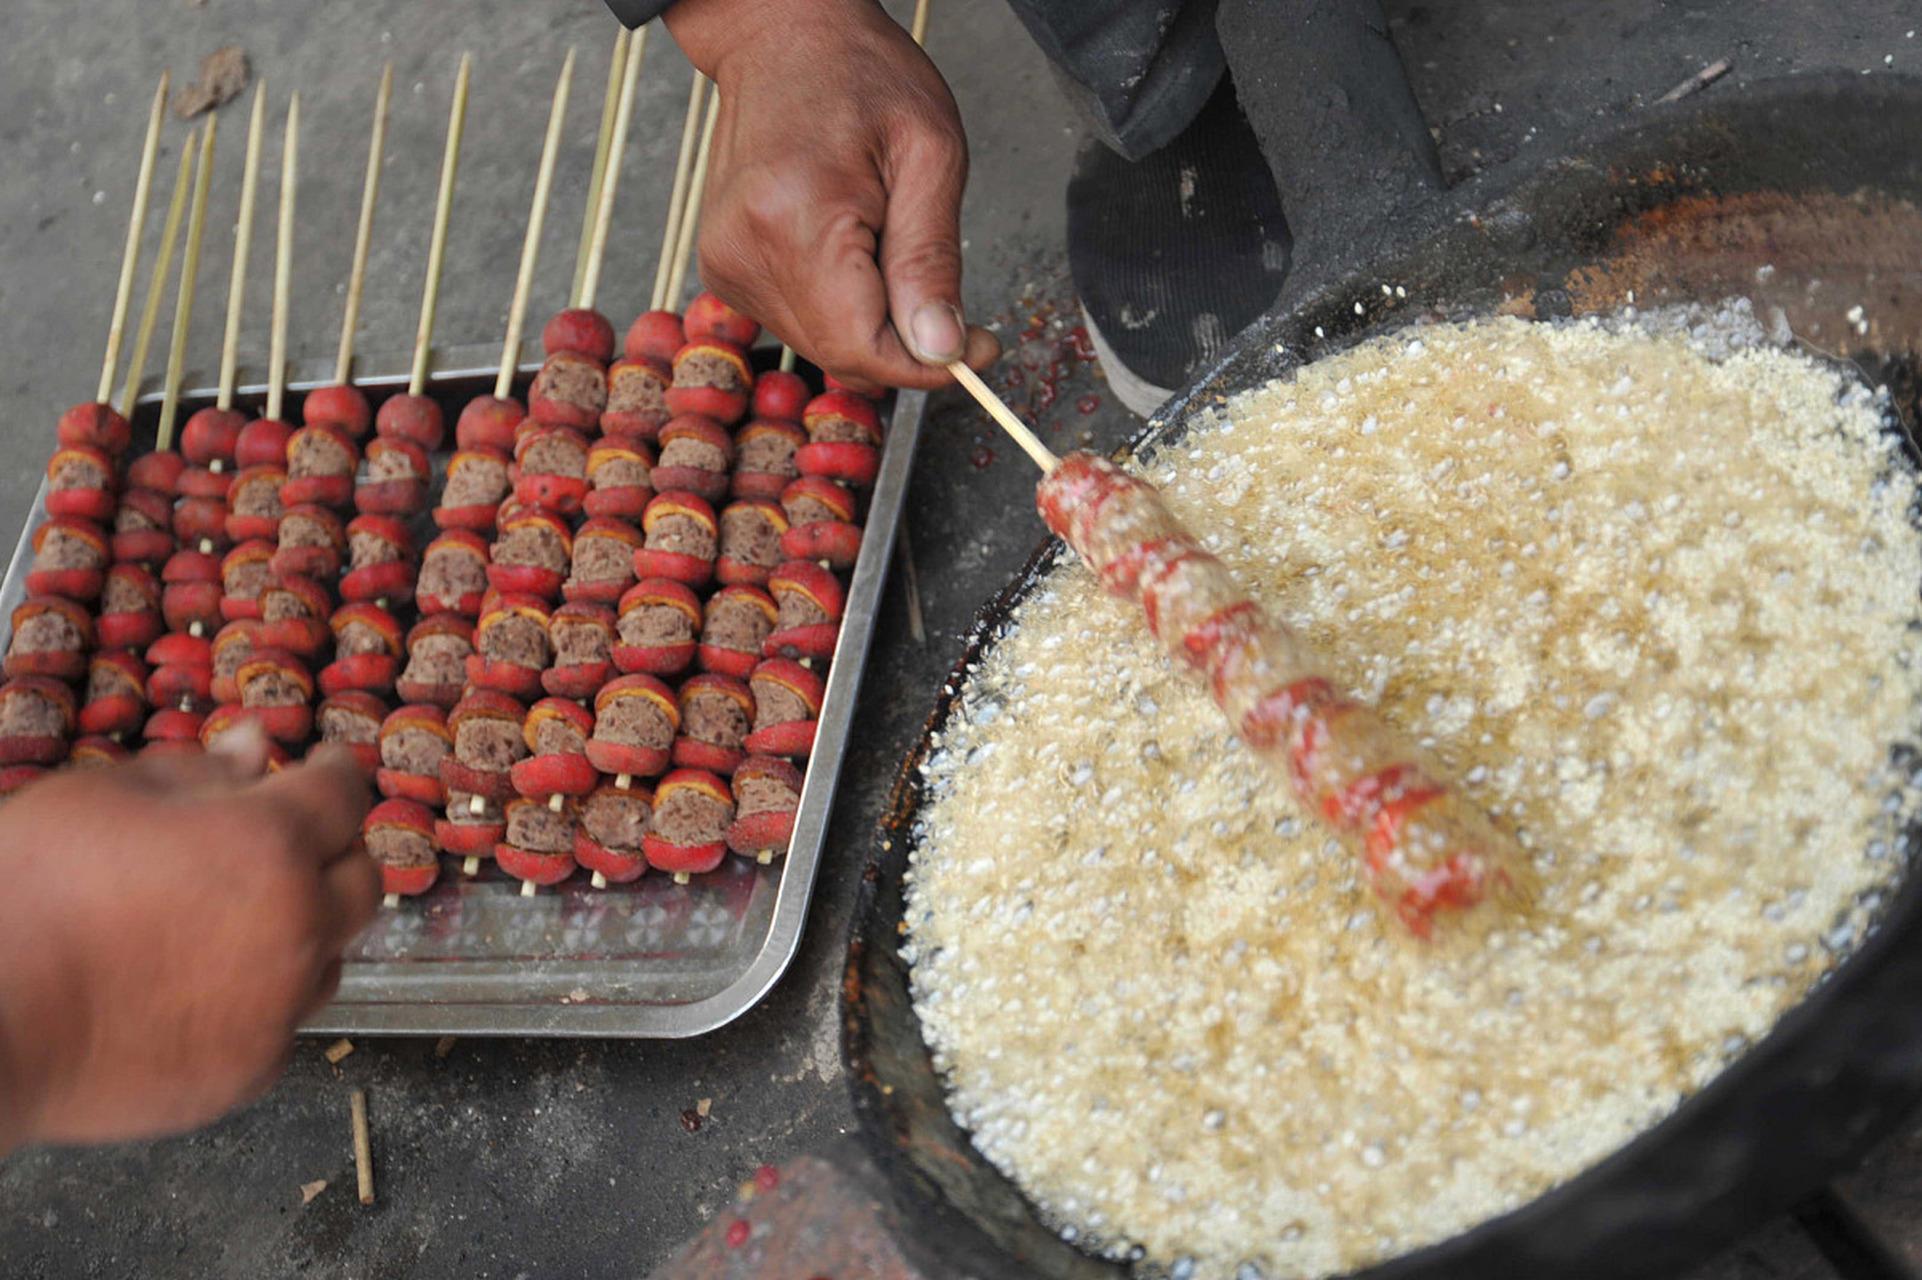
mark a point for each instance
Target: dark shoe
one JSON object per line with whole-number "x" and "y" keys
{"x": 1176, "y": 253}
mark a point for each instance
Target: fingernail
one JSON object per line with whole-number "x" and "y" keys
{"x": 938, "y": 333}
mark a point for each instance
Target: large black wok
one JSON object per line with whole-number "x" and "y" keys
{"x": 1818, "y": 179}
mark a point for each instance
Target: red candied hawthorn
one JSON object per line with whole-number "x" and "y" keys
{"x": 489, "y": 422}
{"x": 321, "y": 462}
{"x": 552, "y": 464}
{"x": 708, "y": 317}
{"x": 810, "y": 601}
{"x": 95, "y": 425}
{"x": 413, "y": 740}
{"x": 581, "y": 636}
{"x": 51, "y": 637}
{"x": 342, "y": 407}
{"x": 635, "y": 720}
{"x": 532, "y": 554}
{"x": 453, "y": 574}
{"x": 582, "y": 331}
{"x": 619, "y": 477}
{"x": 695, "y": 455}
{"x": 277, "y": 686}
{"x": 399, "y": 834}
{"x": 381, "y": 567}
{"x": 556, "y": 733}
{"x": 412, "y": 418}
{"x": 80, "y": 484}
{"x": 367, "y": 650}
{"x": 688, "y": 832}
{"x": 636, "y": 398}
{"x": 655, "y": 335}
{"x": 711, "y": 378}
{"x": 263, "y": 443}
{"x": 659, "y": 619}
{"x": 398, "y": 472}
{"x": 780, "y": 395}
{"x": 312, "y": 542}
{"x": 680, "y": 539}
{"x": 569, "y": 391}
{"x": 510, "y": 646}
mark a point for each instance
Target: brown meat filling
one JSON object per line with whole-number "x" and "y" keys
{"x": 279, "y": 606}
{"x": 601, "y": 559}
{"x": 615, "y": 819}
{"x": 477, "y": 482}
{"x": 229, "y": 656}
{"x": 246, "y": 580}
{"x": 27, "y": 714}
{"x": 78, "y": 473}
{"x": 391, "y": 464}
{"x": 64, "y": 550}
{"x": 622, "y": 473}
{"x": 653, "y": 624}
{"x": 258, "y": 497}
{"x": 399, "y": 847}
{"x": 686, "y": 816}
{"x": 451, "y": 574}
{"x": 535, "y": 545}
{"x": 681, "y": 534}
{"x": 769, "y": 451}
{"x": 636, "y": 391}
{"x": 489, "y": 744}
{"x": 737, "y": 625}
{"x": 763, "y": 795}
{"x": 356, "y": 638}
{"x": 415, "y": 751}
{"x": 747, "y": 535}
{"x": 555, "y": 457}
{"x": 837, "y": 429}
{"x": 342, "y": 724}
{"x": 807, "y": 509}
{"x": 796, "y": 609}
{"x": 570, "y": 382}
{"x": 580, "y": 643}
{"x": 556, "y": 737}
{"x": 47, "y": 632}
{"x": 460, "y": 810}
{"x": 305, "y": 531}
{"x": 708, "y": 371}
{"x": 108, "y": 681}
{"x": 777, "y": 704}
{"x": 272, "y": 689}
{"x": 516, "y": 639}
{"x": 538, "y": 829}
{"x": 319, "y": 454}
{"x": 131, "y": 519}
{"x": 715, "y": 718}
{"x": 123, "y": 595}
{"x": 685, "y": 451}
{"x": 367, "y": 549}
{"x": 634, "y": 722}
{"x": 438, "y": 660}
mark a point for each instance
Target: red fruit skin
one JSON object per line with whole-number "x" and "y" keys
{"x": 562, "y": 495}
{"x": 416, "y": 419}
{"x": 305, "y": 637}
{"x": 534, "y": 868}
{"x": 757, "y": 484}
{"x": 181, "y": 650}
{"x": 711, "y": 486}
{"x": 96, "y": 751}
{"x": 121, "y": 713}
{"x": 456, "y": 776}
{"x": 730, "y": 572}
{"x": 673, "y": 565}
{"x": 54, "y": 666}
{"x": 171, "y": 724}
{"x": 488, "y": 422}
{"x": 842, "y": 460}
{"x": 343, "y": 407}
{"x": 843, "y": 404}
{"x": 613, "y": 759}
{"x": 392, "y": 581}
{"x": 506, "y": 677}
{"x": 368, "y": 672}
{"x": 816, "y": 642}
{"x": 211, "y": 433}
{"x": 75, "y": 584}
{"x": 204, "y": 482}
{"x": 24, "y": 750}
{"x": 612, "y": 865}
{"x": 764, "y": 831}
{"x": 539, "y": 777}
{"x": 682, "y": 859}
{"x": 408, "y": 882}
{"x": 781, "y": 396}
{"x": 142, "y": 546}
{"x": 391, "y": 497}
{"x": 580, "y": 330}
{"x": 234, "y": 609}
{"x": 627, "y": 502}
{"x": 525, "y": 579}
{"x": 690, "y": 753}
{"x": 417, "y": 787}
{"x": 709, "y": 402}
{"x": 473, "y": 519}
{"x": 127, "y": 630}
{"x": 290, "y": 725}
{"x": 708, "y": 317}
{"x": 191, "y": 566}
{"x": 550, "y": 412}
{"x": 654, "y": 659}
{"x": 95, "y": 425}
{"x": 263, "y": 443}
{"x": 656, "y": 335}
{"x": 795, "y": 738}
{"x": 580, "y": 680}
{"x": 246, "y": 528}
{"x": 183, "y": 604}
{"x": 325, "y": 491}
{"x": 201, "y": 520}
{"x": 468, "y": 840}
{"x": 82, "y": 504}
{"x": 157, "y": 471}
{"x": 835, "y": 541}
{"x": 738, "y": 663}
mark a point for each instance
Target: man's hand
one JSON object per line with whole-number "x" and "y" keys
{"x": 832, "y": 212}
{"x": 164, "y": 926}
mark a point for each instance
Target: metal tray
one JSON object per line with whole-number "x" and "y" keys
{"x": 647, "y": 960}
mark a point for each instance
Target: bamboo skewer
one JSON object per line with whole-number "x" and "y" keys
{"x": 691, "y": 218}
{"x": 677, "y": 198}
{"x": 536, "y": 218}
{"x": 189, "y": 271}
{"x": 920, "y": 28}
{"x": 364, "y": 232}
{"x": 611, "y": 174}
{"x": 363, "y": 1146}
{"x": 1030, "y": 444}
{"x": 130, "y": 256}
{"x": 284, "y": 260}
{"x": 243, "y": 243}
{"x": 437, "y": 247}
{"x": 157, "y": 282}
{"x": 610, "y": 102}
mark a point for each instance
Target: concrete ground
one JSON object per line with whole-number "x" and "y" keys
{"x": 524, "y": 1158}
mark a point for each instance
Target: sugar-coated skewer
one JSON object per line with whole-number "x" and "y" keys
{"x": 364, "y": 231}
{"x": 284, "y": 261}
{"x": 610, "y": 102}
{"x": 437, "y": 247}
{"x": 130, "y": 256}
{"x": 243, "y": 243}
{"x": 157, "y": 281}
{"x": 536, "y": 219}
{"x": 611, "y": 174}
{"x": 189, "y": 271}
{"x": 677, "y": 197}
{"x": 691, "y": 218}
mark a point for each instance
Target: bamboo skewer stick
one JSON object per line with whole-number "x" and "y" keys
{"x": 157, "y": 282}
{"x": 437, "y": 247}
{"x": 677, "y": 198}
{"x": 610, "y": 101}
{"x": 363, "y": 1146}
{"x": 364, "y": 232}
{"x": 611, "y": 174}
{"x": 243, "y": 243}
{"x": 904, "y": 549}
{"x": 284, "y": 260}
{"x": 189, "y": 271}
{"x": 530, "y": 246}
{"x": 920, "y": 28}
{"x": 691, "y": 218}
{"x": 130, "y": 256}
{"x": 1030, "y": 444}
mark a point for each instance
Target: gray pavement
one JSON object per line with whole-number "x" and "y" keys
{"x": 508, "y": 1159}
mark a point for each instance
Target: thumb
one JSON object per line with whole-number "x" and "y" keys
{"x": 920, "y": 254}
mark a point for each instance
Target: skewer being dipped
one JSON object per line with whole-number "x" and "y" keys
{"x": 97, "y": 424}
{"x": 415, "y": 416}
{"x": 342, "y": 405}
{"x": 1434, "y": 861}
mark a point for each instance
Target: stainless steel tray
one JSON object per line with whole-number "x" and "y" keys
{"x": 647, "y": 960}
